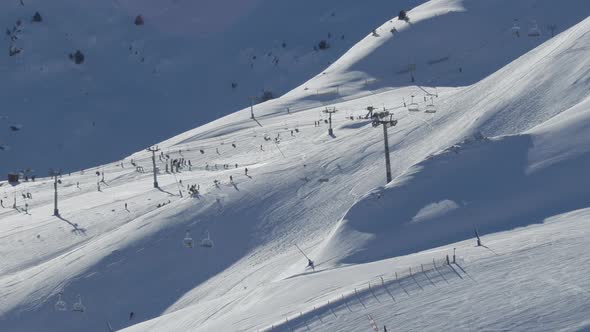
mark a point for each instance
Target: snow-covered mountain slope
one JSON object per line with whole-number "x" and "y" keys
{"x": 141, "y": 84}
{"x": 491, "y": 185}
{"x": 121, "y": 248}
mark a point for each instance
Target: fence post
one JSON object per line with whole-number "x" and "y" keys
{"x": 320, "y": 318}
{"x": 359, "y": 298}
{"x": 332, "y": 310}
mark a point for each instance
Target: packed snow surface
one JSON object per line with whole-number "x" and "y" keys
{"x": 505, "y": 153}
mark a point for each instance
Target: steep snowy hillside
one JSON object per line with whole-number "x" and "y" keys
{"x": 189, "y": 63}
{"x": 489, "y": 184}
{"x": 269, "y": 185}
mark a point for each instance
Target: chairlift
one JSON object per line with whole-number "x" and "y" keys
{"x": 78, "y": 306}
{"x": 413, "y": 106}
{"x": 515, "y": 29}
{"x": 188, "y": 240}
{"x": 60, "y": 305}
{"x": 207, "y": 242}
{"x": 534, "y": 31}
{"x": 430, "y": 108}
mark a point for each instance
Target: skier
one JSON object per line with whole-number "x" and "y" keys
{"x": 1, "y": 203}
{"x": 231, "y": 179}
{"x": 126, "y": 207}
{"x": 310, "y": 264}
{"x": 246, "y": 171}
{"x": 131, "y": 314}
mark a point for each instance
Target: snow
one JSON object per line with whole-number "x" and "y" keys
{"x": 506, "y": 153}
{"x": 142, "y": 84}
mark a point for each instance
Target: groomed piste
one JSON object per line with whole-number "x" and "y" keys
{"x": 491, "y": 137}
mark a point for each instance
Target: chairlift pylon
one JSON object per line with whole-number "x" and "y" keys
{"x": 413, "y": 106}
{"x": 188, "y": 240}
{"x": 207, "y": 242}
{"x": 60, "y": 305}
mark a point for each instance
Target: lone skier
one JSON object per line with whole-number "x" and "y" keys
{"x": 310, "y": 264}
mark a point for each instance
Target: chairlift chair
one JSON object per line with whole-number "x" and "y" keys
{"x": 413, "y": 106}
{"x": 392, "y": 121}
{"x": 534, "y": 31}
{"x": 430, "y": 108}
{"x": 188, "y": 240}
{"x": 78, "y": 306}
{"x": 207, "y": 242}
{"x": 60, "y": 305}
{"x": 516, "y": 30}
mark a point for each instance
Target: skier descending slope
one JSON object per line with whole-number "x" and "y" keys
{"x": 310, "y": 263}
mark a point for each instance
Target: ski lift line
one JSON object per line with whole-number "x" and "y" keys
{"x": 464, "y": 54}
{"x": 557, "y": 47}
{"x": 428, "y": 93}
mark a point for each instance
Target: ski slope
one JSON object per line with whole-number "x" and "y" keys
{"x": 505, "y": 152}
